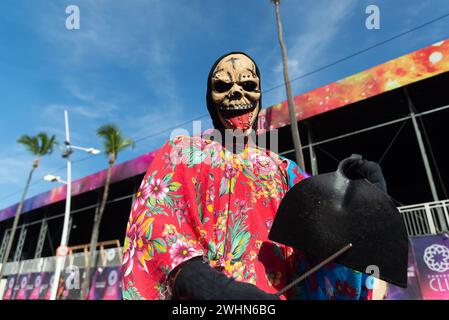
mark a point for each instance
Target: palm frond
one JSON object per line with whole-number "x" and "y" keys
{"x": 113, "y": 140}
{"x": 125, "y": 143}
{"x": 46, "y": 143}
{"x": 31, "y": 143}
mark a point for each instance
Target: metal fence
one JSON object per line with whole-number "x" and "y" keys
{"x": 103, "y": 258}
{"x": 426, "y": 218}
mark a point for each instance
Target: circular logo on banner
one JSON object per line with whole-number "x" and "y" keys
{"x": 436, "y": 258}
{"x": 11, "y": 283}
{"x": 23, "y": 284}
{"x": 38, "y": 281}
{"x": 112, "y": 278}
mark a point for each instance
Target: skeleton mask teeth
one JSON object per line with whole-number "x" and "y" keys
{"x": 236, "y": 107}
{"x": 233, "y": 117}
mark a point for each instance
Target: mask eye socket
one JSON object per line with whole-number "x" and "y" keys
{"x": 249, "y": 85}
{"x": 221, "y": 86}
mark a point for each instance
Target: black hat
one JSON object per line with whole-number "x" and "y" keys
{"x": 322, "y": 214}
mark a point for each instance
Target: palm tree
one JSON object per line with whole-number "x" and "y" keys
{"x": 113, "y": 143}
{"x": 291, "y": 105}
{"x": 39, "y": 146}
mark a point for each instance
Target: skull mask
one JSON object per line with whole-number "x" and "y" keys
{"x": 234, "y": 92}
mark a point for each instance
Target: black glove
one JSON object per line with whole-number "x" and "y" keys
{"x": 198, "y": 281}
{"x": 358, "y": 168}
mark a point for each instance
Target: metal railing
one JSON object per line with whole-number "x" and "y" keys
{"x": 426, "y": 218}
{"x": 107, "y": 257}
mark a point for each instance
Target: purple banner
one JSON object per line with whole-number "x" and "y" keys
{"x": 41, "y": 286}
{"x": 25, "y": 286}
{"x": 11, "y": 289}
{"x": 432, "y": 258}
{"x": 106, "y": 284}
{"x": 413, "y": 290}
{"x": 30, "y": 286}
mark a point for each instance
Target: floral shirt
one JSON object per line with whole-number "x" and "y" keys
{"x": 200, "y": 199}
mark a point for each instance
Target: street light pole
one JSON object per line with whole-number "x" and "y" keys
{"x": 62, "y": 250}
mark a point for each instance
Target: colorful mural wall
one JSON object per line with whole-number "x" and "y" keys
{"x": 416, "y": 66}
{"x": 413, "y": 67}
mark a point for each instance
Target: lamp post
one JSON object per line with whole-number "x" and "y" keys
{"x": 61, "y": 252}
{"x": 52, "y": 178}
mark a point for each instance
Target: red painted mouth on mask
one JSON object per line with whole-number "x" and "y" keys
{"x": 239, "y": 119}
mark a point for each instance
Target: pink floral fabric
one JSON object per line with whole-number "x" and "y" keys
{"x": 199, "y": 199}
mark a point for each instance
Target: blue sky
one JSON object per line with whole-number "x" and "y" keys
{"x": 143, "y": 64}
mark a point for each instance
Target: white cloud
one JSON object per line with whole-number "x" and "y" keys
{"x": 322, "y": 24}
{"x": 13, "y": 168}
{"x": 15, "y": 164}
{"x": 130, "y": 37}
{"x": 51, "y": 120}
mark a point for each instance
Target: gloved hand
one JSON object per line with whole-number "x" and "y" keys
{"x": 358, "y": 168}
{"x": 197, "y": 280}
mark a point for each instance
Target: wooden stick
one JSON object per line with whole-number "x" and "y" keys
{"x": 316, "y": 268}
